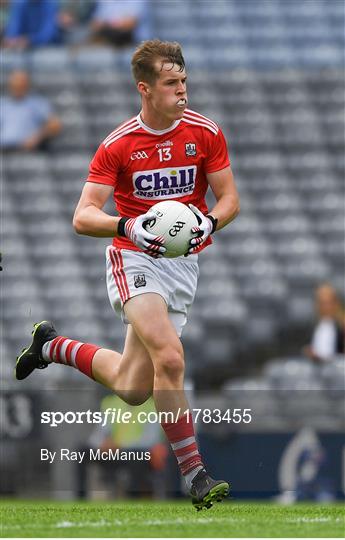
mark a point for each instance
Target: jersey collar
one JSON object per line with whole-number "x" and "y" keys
{"x": 155, "y": 131}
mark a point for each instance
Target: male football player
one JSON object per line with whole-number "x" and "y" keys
{"x": 166, "y": 152}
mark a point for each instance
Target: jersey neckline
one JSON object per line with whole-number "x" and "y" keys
{"x": 155, "y": 131}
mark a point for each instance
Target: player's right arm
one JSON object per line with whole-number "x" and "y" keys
{"x": 90, "y": 219}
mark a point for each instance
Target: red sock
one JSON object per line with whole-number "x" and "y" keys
{"x": 182, "y": 439}
{"x": 72, "y": 353}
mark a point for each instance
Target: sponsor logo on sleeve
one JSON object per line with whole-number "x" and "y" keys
{"x": 168, "y": 183}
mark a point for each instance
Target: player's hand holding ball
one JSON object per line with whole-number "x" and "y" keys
{"x": 206, "y": 226}
{"x": 134, "y": 229}
{"x": 169, "y": 229}
{"x": 173, "y": 221}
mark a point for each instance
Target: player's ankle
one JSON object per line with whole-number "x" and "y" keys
{"x": 189, "y": 477}
{"x": 45, "y": 351}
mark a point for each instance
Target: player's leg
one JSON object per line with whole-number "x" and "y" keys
{"x": 149, "y": 317}
{"x": 47, "y": 347}
{"x": 130, "y": 375}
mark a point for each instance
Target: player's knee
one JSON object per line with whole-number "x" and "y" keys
{"x": 170, "y": 363}
{"x": 130, "y": 391}
{"x": 136, "y": 398}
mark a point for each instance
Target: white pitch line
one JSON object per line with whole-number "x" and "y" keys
{"x": 101, "y": 523}
{"x": 177, "y": 521}
{"x": 150, "y": 522}
{"x": 123, "y": 522}
{"x": 314, "y": 520}
{"x": 181, "y": 521}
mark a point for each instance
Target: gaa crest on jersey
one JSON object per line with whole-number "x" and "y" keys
{"x": 190, "y": 149}
{"x": 140, "y": 154}
{"x": 139, "y": 281}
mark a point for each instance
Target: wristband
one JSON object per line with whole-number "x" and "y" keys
{"x": 121, "y": 226}
{"x": 214, "y": 222}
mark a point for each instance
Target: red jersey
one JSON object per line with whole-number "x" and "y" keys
{"x": 145, "y": 166}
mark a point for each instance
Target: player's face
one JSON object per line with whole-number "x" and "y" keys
{"x": 168, "y": 95}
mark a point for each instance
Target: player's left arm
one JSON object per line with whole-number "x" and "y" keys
{"x": 224, "y": 189}
{"x": 225, "y": 210}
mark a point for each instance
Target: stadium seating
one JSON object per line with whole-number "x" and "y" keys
{"x": 274, "y": 82}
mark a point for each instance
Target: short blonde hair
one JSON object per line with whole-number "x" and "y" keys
{"x": 148, "y": 52}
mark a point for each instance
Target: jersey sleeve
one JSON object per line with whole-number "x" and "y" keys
{"x": 217, "y": 158}
{"x": 103, "y": 168}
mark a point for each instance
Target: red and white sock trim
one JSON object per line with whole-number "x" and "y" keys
{"x": 63, "y": 350}
{"x": 185, "y": 449}
{"x": 183, "y": 443}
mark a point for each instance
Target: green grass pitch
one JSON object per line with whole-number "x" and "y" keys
{"x": 168, "y": 519}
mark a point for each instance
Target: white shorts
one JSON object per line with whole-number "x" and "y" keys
{"x": 130, "y": 273}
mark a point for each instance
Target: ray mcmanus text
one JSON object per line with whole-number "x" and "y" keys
{"x": 65, "y": 454}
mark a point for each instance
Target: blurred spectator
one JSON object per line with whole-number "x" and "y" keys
{"x": 328, "y": 335}
{"x": 32, "y": 23}
{"x": 135, "y": 477}
{"x": 27, "y": 121}
{"x": 4, "y": 8}
{"x": 119, "y": 22}
{"x": 74, "y": 19}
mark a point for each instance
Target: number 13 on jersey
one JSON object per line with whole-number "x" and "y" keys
{"x": 164, "y": 154}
